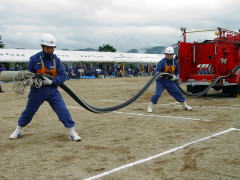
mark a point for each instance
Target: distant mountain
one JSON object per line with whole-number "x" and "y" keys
{"x": 150, "y": 50}
{"x": 154, "y": 50}
{"x": 132, "y": 51}
{"x": 86, "y": 49}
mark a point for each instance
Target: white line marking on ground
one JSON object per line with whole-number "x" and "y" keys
{"x": 178, "y": 104}
{"x": 158, "y": 155}
{"x": 111, "y": 83}
{"x": 148, "y": 115}
{"x": 75, "y": 107}
{"x": 154, "y": 115}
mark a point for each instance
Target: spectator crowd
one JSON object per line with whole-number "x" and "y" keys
{"x": 94, "y": 70}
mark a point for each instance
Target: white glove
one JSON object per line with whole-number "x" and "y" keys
{"x": 46, "y": 81}
{"x": 174, "y": 78}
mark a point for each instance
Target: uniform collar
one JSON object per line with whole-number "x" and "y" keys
{"x": 46, "y": 57}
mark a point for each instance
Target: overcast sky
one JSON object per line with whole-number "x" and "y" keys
{"x": 124, "y": 24}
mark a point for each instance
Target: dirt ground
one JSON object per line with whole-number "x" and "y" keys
{"x": 118, "y": 138}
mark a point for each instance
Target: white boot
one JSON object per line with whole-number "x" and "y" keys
{"x": 17, "y": 133}
{"x": 185, "y": 106}
{"x": 73, "y": 135}
{"x": 150, "y": 107}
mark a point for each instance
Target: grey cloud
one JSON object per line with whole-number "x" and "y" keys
{"x": 125, "y": 24}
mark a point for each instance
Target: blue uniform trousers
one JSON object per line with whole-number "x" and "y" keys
{"x": 35, "y": 99}
{"x": 161, "y": 85}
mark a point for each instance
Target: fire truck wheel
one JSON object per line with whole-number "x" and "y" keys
{"x": 231, "y": 90}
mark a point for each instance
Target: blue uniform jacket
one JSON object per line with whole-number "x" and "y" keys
{"x": 161, "y": 66}
{"x": 35, "y": 63}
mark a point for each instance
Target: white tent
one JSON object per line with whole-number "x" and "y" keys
{"x": 23, "y": 55}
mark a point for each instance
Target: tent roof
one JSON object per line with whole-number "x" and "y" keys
{"x": 23, "y": 55}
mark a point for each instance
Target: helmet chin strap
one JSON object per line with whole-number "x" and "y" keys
{"x": 47, "y": 55}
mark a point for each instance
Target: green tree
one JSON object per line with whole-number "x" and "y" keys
{"x": 106, "y": 48}
{"x": 1, "y": 43}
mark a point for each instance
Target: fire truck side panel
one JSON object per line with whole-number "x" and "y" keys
{"x": 201, "y": 63}
{"x": 206, "y": 61}
{"x": 185, "y": 58}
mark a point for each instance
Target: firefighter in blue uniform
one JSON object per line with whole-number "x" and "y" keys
{"x": 168, "y": 65}
{"x": 45, "y": 62}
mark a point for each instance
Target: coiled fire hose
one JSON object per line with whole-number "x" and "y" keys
{"x": 21, "y": 79}
{"x": 26, "y": 78}
{"x": 234, "y": 71}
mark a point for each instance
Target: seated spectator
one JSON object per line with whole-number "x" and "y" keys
{"x": 1, "y": 69}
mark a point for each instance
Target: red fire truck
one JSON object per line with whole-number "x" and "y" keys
{"x": 214, "y": 63}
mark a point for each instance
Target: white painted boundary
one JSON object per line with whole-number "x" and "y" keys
{"x": 75, "y": 107}
{"x": 148, "y": 115}
{"x": 159, "y": 155}
{"x": 117, "y": 83}
{"x": 177, "y": 104}
{"x": 154, "y": 115}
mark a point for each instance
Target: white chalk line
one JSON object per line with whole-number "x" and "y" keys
{"x": 148, "y": 115}
{"x": 110, "y": 83}
{"x": 154, "y": 115}
{"x": 75, "y": 107}
{"x": 177, "y": 104}
{"x": 158, "y": 155}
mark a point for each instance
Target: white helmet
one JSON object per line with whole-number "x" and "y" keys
{"x": 48, "y": 40}
{"x": 169, "y": 50}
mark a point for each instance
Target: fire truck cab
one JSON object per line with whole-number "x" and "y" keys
{"x": 202, "y": 62}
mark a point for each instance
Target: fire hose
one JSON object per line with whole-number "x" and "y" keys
{"x": 113, "y": 108}
{"x": 26, "y": 78}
